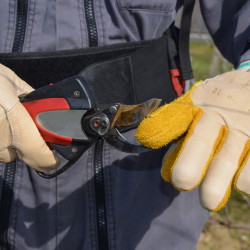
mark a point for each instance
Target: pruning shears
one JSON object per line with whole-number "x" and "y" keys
{"x": 69, "y": 121}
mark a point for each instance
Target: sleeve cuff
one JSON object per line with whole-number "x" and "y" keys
{"x": 244, "y": 65}
{"x": 244, "y": 61}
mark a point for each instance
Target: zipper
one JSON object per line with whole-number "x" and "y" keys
{"x": 101, "y": 213}
{"x": 6, "y": 201}
{"x": 21, "y": 19}
{"x": 91, "y": 23}
{"x": 99, "y": 181}
{"x": 10, "y": 168}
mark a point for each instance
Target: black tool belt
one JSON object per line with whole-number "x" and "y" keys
{"x": 128, "y": 73}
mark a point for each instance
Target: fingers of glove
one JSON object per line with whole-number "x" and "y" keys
{"x": 242, "y": 179}
{"x": 197, "y": 151}
{"x": 30, "y": 147}
{"x": 217, "y": 184}
{"x": 17, "y": 85}
{"x": 7, "y": 155}
{"x": 167, "y": 123}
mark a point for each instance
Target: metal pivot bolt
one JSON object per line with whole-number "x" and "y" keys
{"x": 77, "y": 93}
{"x": 113, "y": 109}
{"x": 74, "y": 149}
{"x": 100, "y": 124}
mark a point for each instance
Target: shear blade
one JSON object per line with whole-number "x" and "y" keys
{"x": 129, "y": 116}
{"x": 132, "y": 115}
{"x": 117, "y": 140}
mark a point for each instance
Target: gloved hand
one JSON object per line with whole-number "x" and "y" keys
{"x": 19, "y": 135}
{"x": 211, "y": 126}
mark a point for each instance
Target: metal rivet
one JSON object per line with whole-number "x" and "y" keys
{"x": 74, "y": 149}
{"x": 113, "y": 109}
{"x": 77, "y": 93}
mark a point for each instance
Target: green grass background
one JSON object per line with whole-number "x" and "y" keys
{"x": 202, "y": 54}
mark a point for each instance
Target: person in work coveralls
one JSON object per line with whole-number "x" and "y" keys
{"x": 132, "y": 207}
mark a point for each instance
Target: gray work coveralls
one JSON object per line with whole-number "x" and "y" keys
{"x": 141, "y": 211}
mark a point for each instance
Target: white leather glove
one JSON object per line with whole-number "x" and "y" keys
{"x": 211, "y": 125}
{"x": 19, "y": 136}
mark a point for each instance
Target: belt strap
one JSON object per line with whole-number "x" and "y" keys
{"x": 117, "y": 73}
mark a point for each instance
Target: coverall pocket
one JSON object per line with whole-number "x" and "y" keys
{"x": 152, "y": 5}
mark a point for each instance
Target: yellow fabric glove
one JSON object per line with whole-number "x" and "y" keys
{"x": 211, "y": 127}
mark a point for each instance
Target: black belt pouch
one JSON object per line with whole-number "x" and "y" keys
{"x": 128, "y": 73}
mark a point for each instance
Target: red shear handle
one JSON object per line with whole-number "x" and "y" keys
{"x": 44, "y": 105}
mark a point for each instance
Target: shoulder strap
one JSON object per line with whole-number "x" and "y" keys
{"x": 184, "y": 36}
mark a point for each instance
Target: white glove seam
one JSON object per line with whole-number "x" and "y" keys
{"x": 15, "y": 137}
{"x": 18, "y": 134}
{"x": 12, "y": 132}
{"x": 7, "y": 108}
{"x": 6, "y": 104}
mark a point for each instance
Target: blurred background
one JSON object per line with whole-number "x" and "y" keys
{"x": 228, "y": 229}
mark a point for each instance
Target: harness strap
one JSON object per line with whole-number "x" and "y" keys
{"x": 184, "y": 36}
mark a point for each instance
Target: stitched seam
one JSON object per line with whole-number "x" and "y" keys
{"x": 18, "y": 134}
{"x": 133, "y": 79}
{"x": 103, "y": 29}
{"x": 7, "y": 108}
{"x": 142, "y": 9}
{"x": 11, "y": 23}
{"x": 8, "y": 29}
{"x": 80, "y": 12}
{"x": 30, "y": 24}
{"x": 26, "y": 34}
{"x": 146, "y": 10}
{"x": 12, "y": 137}
{"x": 3, "y": 102}
{"x": 9, "y": 118}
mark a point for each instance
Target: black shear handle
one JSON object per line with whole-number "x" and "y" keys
{"x": 58, "y": 172}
